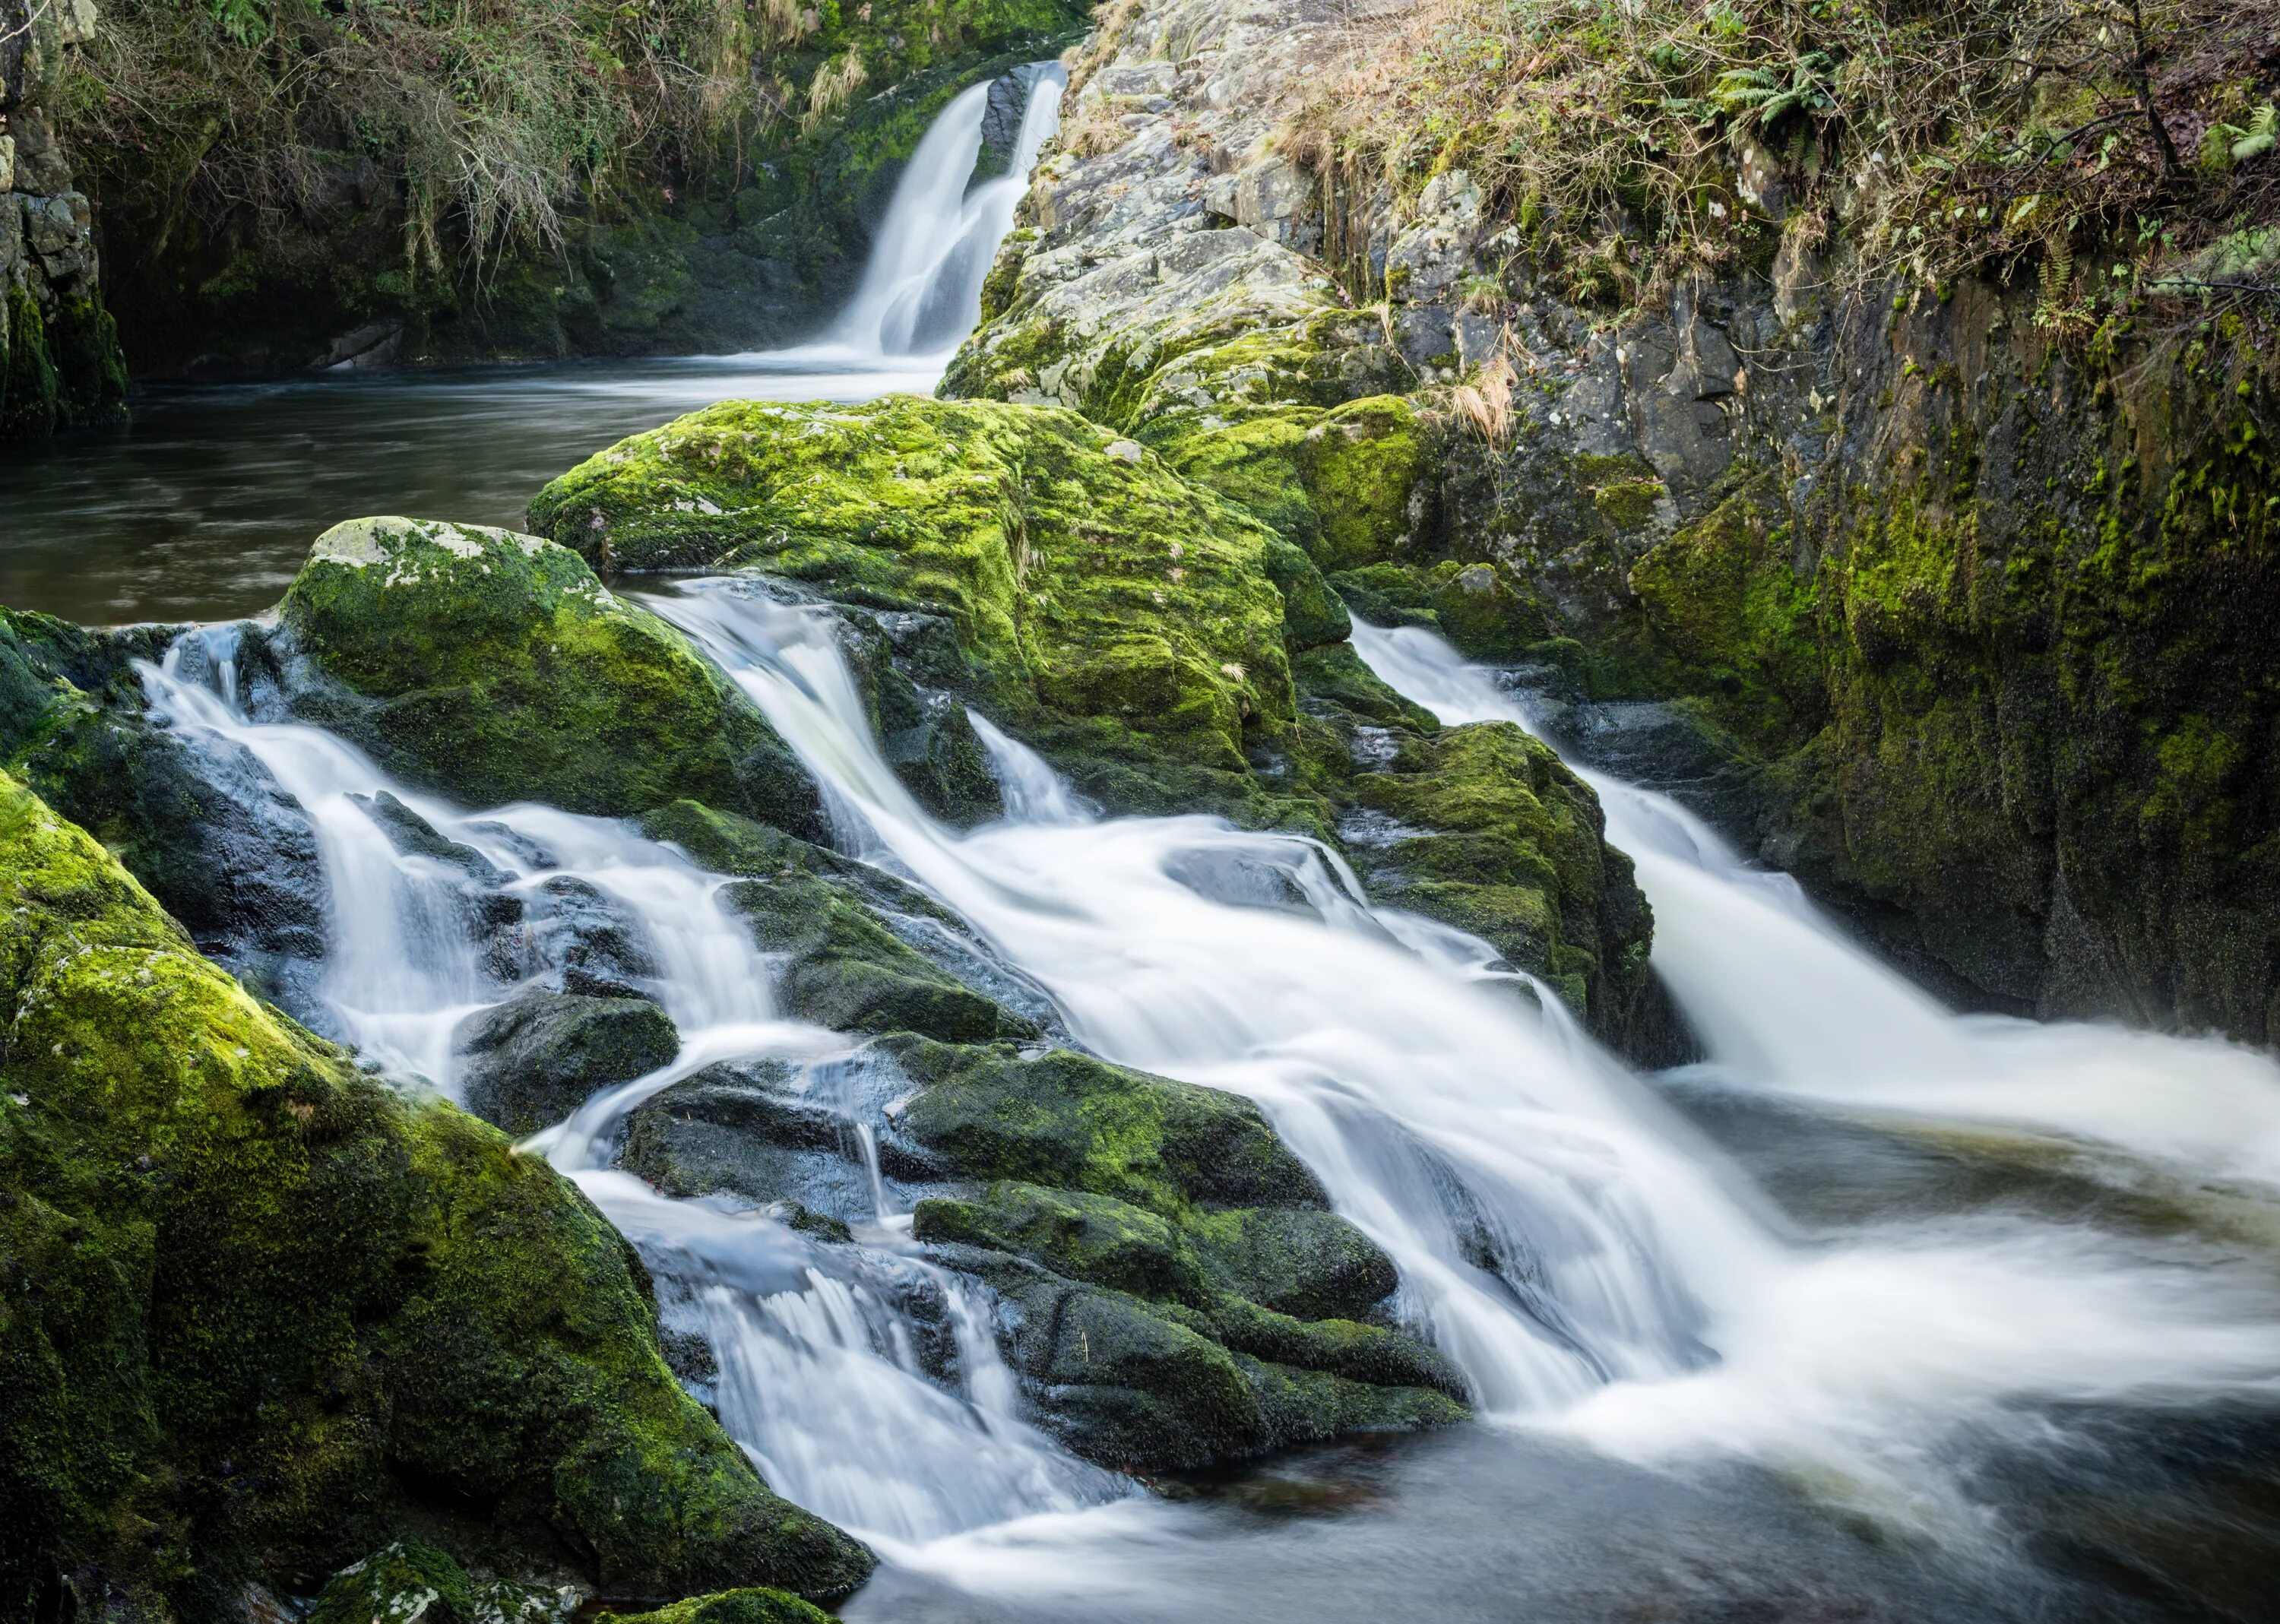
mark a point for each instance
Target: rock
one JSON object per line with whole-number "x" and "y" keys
{"x": 597, "y": 946}
{"x": 1066, "y": 1119}
{"x": 846, "y": 971}
{"x": 409, "y": 1582}
{"x": 250, "y": 1253}
{"x": 1296, "y": 1261}
{"x": 531, "y": 1061}
{"x": 1086, "y": 591}
{"x": 493, "y": 666}
{"x": 1097, "y": 1239}
{"x": 744, "y": 1606}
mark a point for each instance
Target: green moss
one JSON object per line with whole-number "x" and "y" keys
{"x": 30, "y": 395}
{"x": 1515, "y": 854}
{"x": 744, "y": 1606}
{"x": 1094, "y": 1238}
{"x": 844, "y": 970}
{"x": 260, "y": 1307}
{"x": 1066, "y": 1119}
{"x": 495, "y": 667}
{"x": 1082, "y": 584}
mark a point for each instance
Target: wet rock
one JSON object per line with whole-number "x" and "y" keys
{"x": 409, "y": 1582}
{"x": 1087, "y": 1237}
{"x": 1297, "y": 1261}
{"x": 531, "y": 1061}
{"x": 595, "y": 945}
{"x": 846, "y": 971}
{"x": 745, "y": 1606}
{"x": 494, "y": 666}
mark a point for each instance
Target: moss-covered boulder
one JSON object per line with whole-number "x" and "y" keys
{"x": 844, "y": 970}
{"x": 1089, "y": 587}
{"x": 531, "y": 1061}
{"x": 749, "y": 1605}
{"x": 258, "y": 1308}
{"x": 494, "y": 666}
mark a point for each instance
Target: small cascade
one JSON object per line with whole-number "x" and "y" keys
{"x": 921, "y": 288}
{"x": 865, "y": 1382}
{"x": 1786, "y": 1000}
{"x": 1596, "y": 1269}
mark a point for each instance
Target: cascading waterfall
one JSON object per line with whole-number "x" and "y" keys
{"x": 1593, "y": 1268}
{"x": 818, "y": 1376}
{"x": 921, "y": 290}
{"x": 1784, "y": 1000}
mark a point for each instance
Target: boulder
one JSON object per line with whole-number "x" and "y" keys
{"x": 531, "y": 1061}
{"x": 281, "y": 1307}
{"x": 493, "y": 666}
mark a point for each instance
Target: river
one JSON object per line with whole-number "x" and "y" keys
{"x": 1878, "y": 1314}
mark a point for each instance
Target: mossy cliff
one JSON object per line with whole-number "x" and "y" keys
{"x": 261, "y": 1309}
{"x": 381, "y": 185}
{"x": 1133, "y": 624}
{"x": 1950, "y": 593}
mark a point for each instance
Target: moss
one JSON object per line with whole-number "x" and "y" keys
{"x": 1296, "y": 1261}
{"x": 259, "y": 1307}
{"x": 1093, "y": 1238}
{"x": 493, "y": 667}
{"x": 844, "y": 970}
{"x": 1514, "y": 853}
{"x": 1066, "y": 1119}
{"x": 30, "y": 395}
{"x": 744, "y": 1606}
{"x": 1081, "y": 584}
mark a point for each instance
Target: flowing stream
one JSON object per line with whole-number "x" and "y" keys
{"x": 1879, "y": 1314}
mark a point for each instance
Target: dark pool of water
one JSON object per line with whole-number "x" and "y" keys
{"x": 203, "y": 507}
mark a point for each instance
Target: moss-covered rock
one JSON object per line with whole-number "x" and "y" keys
{"x": 1066, "y": 1119}
{"x": 409, "y": 1581}
{"x": 1087, "y": 1237}
{"x": 259, "y": 1307}
{"x": 531, "y": 1061}
{"x": 494, "y": 666}
{"x": 844, "y": 970}
{"x": 749, "y": 1605}
{"x": 1087, "y": 583}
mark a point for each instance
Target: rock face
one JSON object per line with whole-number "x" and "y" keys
{"x": 60, "y": 366}
{"x": 534, "y": 1059}
{"x": 1962, "y": 617}
{"x": 260, "y": 1308}
{"x": 495, "y": 667}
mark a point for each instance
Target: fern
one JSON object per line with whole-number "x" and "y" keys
{"x": 2227, "y": 146}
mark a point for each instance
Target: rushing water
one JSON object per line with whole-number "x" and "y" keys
{"x": 203, "y": 506}
{"x": 1880, "y": 1314}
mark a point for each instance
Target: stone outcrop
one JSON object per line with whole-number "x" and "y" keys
{"x": 60, "y": 366}
{"x": 1955, "y": 617}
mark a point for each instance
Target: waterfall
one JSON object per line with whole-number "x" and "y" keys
{"x": 1784, "y": 999}
{"x": 818, "y": 1374}
{"x": 921, "y": 290}
{"x": 1596, "y": 1269}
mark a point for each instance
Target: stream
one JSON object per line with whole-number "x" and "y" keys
{"x": 1879, "y": 1313}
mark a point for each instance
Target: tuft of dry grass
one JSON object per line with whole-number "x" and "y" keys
{"x": 1634, "y": 143}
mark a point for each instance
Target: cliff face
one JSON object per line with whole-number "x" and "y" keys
{"x": 59, "y": 359}
{"x": 1959, "y": 615}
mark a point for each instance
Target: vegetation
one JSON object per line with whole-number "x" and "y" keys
{"x": 2127, "y": 144}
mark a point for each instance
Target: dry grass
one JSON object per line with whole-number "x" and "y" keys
{"x": 1929, "y": 136}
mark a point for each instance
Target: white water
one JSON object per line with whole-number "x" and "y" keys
{"x": 921, "y": 290}
{"x": 1644, "y": 1305}
{"x": 1782, "y": 996}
